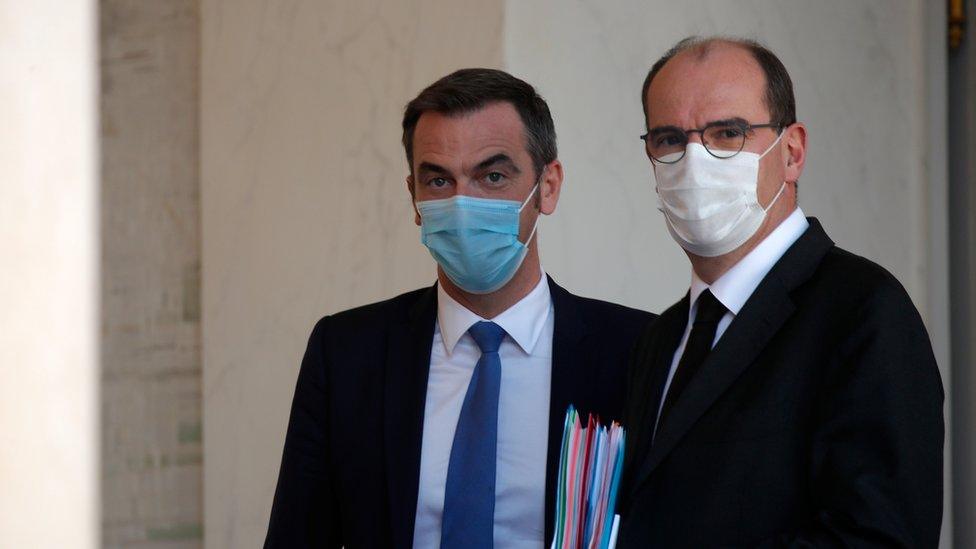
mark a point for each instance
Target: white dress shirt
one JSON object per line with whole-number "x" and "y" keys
{"x": 523, "y": 416}
{"x": 734, "y": 288}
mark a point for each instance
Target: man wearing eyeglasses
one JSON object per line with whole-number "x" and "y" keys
{"x": 791, "y": 397}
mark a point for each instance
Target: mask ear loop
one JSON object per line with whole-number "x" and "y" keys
{"x": 531, "y": 194}
{"x": 532, "y": 234}
{"x": 778, "y": 137}
{"x": 538, "y": 216}
{"x": 781, "y": 187}
{"x": 775, "y": 198}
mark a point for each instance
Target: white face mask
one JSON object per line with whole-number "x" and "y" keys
{"x": 711, "y": 204}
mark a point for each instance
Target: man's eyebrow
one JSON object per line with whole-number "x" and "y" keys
{"x": 735, "y": 120}
{"x": 494, "y": 160}
{"x": 428, "y": 167}
{"x": 661, "y": 129}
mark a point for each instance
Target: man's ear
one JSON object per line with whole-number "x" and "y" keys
{"x": 413, "y": 200}
{"x": 549, "y": 187}
{"x": 794, "y": 152}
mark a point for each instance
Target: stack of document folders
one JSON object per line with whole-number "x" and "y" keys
{"x": 590, "y": 463}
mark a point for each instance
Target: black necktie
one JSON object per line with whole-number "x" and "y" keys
{"x": 710, "y": 312}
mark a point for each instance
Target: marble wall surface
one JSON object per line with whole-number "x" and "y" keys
{"x": 305, "y": 211}
{"x": 48, "y": 274}
{"x": 304, "y": 203}
{"x": 152, "y": 454}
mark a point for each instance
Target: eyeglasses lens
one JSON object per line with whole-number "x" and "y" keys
{"x": 667, "y": 145}
{"x": 724, "y": 141}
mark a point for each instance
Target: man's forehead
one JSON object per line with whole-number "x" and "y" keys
{"x": 495, "y": 116}
{"x": 721, "y": 81}
{"x": 496, "y": 125}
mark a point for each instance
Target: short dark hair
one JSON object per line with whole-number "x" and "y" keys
{"x": 779, "y": 97}
{"x": 468, "y": 90}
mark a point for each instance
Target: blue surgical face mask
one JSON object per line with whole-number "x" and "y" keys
{"x": 475, "y": 240}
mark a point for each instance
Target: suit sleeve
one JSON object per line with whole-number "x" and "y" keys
{"x": 877, "y": 447}
{"x": 304, "y": 513}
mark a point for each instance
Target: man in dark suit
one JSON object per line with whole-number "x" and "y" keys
{"x": 791, "y": 398}
{"x": 434, "y": 418}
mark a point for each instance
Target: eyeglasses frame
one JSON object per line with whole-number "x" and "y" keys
{"x": 746, "y": 127}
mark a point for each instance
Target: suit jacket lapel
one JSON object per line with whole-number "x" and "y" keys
{"x": 656, "y": 363}
{"x": 567, "y": 370}
{"x": 407, "y": 367}
{"x": 762, "y": 316}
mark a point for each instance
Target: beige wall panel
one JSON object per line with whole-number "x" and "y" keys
{"x": 152, "y": 472}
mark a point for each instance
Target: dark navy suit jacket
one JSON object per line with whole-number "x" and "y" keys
{"x": 350, "y": 467}
{"x": 815, "y": 421}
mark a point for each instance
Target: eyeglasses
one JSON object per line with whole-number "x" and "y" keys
{"x": 722, "y": 139}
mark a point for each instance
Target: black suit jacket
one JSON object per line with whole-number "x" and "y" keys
{"x": 816, "y": 420}
{"x": 350, "y": 468}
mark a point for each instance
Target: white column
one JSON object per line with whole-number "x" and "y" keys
{"x": 48, "y": 274}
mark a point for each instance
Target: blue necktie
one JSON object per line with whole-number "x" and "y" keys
{"x": 469, "y": 495}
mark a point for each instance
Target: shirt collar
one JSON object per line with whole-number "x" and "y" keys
{"x": 733, "y": 288}
{"x": 523, "y": 321}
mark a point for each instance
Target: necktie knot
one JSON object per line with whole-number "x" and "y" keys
{"x": 487, "y": 335}
{"x": 710, "y": 309}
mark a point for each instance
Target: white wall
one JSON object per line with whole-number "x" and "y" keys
{"x": 305, "y": 211}
{"x": 305, "y": 208}
{"x": 48, "y": 274}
